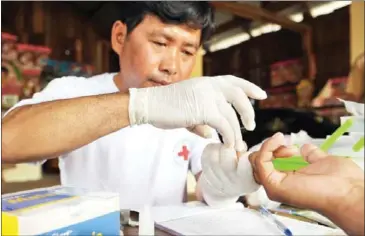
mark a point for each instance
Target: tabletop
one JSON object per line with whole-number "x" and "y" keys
{"x": 132, "y": 231}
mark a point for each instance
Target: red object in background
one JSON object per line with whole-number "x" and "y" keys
{"x": 338, "y": 86}
{"x": 11, "y": 86}
{"x": 282, "y": 97}
{"x": 32, "y": 56}
{"x": 283, "y": 72}
{"x": 8, "y": 46}
{"x": 327, "y": 104}
{"x": 22, "y": 65}
{"x": 7, "y": 36}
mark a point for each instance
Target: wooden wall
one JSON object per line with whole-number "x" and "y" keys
{"x": 59, "y": 26}
{"x": 332, "y": 45}
{"x": 252, "y": 58}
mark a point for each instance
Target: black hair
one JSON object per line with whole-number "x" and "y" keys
{"x": 199, "y": 15}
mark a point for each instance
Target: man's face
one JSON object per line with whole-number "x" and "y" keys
{"x": 155, "y": 53}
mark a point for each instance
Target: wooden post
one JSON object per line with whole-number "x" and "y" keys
{"x": 307, "y": 38}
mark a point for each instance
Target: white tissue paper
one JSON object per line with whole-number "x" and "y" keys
{"x": 357, "y": 114}
{"x": 354, "y": 108}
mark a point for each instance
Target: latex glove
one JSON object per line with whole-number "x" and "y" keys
{"x": 260, "y": 198}
{"x": 225, "y": 177}
{"x": 198, "y": 101}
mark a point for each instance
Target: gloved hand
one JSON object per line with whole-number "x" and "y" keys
{"x": 198, "y": 101}
{"x": 225, "y": 176}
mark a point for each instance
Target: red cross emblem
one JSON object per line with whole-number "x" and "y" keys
{"x": 184, "y": 153}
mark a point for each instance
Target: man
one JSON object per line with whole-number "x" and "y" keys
{"x": 332, "y": 186}
{"x": 85, "y": 121}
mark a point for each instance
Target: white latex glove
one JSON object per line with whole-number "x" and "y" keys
{"x": 260, "y": 198}
{"x": 198, "y": 101}
{"x": 225, "y": 177}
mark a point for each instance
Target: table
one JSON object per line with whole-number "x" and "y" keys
{"x": 133, "y": 231}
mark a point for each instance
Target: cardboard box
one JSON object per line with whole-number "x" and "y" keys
{"x": 60, "y": 211}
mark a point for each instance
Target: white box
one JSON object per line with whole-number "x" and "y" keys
{"x": 60, "y": 211}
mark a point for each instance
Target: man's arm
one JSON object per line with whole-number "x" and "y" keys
{"x": 348, "y": 212}
{"x": 35, "y": 132}
{"x": 51, "y": 128}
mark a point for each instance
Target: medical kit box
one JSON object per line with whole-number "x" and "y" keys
{"x": 60, "y": 210}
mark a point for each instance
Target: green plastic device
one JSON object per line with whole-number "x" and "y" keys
{"x": 297, "y": 162}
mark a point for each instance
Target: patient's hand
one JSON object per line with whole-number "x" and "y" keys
{"x": 325, "y": 181}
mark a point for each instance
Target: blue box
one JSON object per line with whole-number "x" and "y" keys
{"x": 60, "y": 211}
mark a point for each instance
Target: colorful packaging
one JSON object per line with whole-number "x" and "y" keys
{"x": 283, "y": 72}
{"x": 8, "y": 47}
{"x": 41, "y": 56}
{"x": 11, "y": 86}
{"x": 66, "y": 68}
{"x": 60, "y": 211}
{"x": 10, "y": 75}
{"x": 31, "y": 85}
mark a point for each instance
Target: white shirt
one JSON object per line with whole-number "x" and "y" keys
{"x": 123, "y": 161}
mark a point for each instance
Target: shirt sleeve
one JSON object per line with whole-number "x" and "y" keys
{"x": 198, "y": 145}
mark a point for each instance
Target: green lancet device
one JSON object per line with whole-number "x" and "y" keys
{"x": 297, "y": 162}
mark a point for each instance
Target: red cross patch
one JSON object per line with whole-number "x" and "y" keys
{"x": 184, "y": 153}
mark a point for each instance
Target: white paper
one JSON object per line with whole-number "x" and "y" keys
{"x": 241, "y": 221}
{"x": 317, "y": 217}
{"x": 173, "y": 212}
{"x": 354, "y": 108}
{"x": 146, "y": 222}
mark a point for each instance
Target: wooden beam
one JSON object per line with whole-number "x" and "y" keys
{"x": 259, "y": 14}
{"x": 227, "y": 26}
{"x": 234, "y": 23}
{"x": 276, "y": 6}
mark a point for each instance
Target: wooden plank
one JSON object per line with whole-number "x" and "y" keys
{"x": 276, "y": 6}
{"x": 235, "y": 23}
{"x": 259, "y": 14}
{"x": 227, "y": 26}
{"x": 38, "y": 17}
